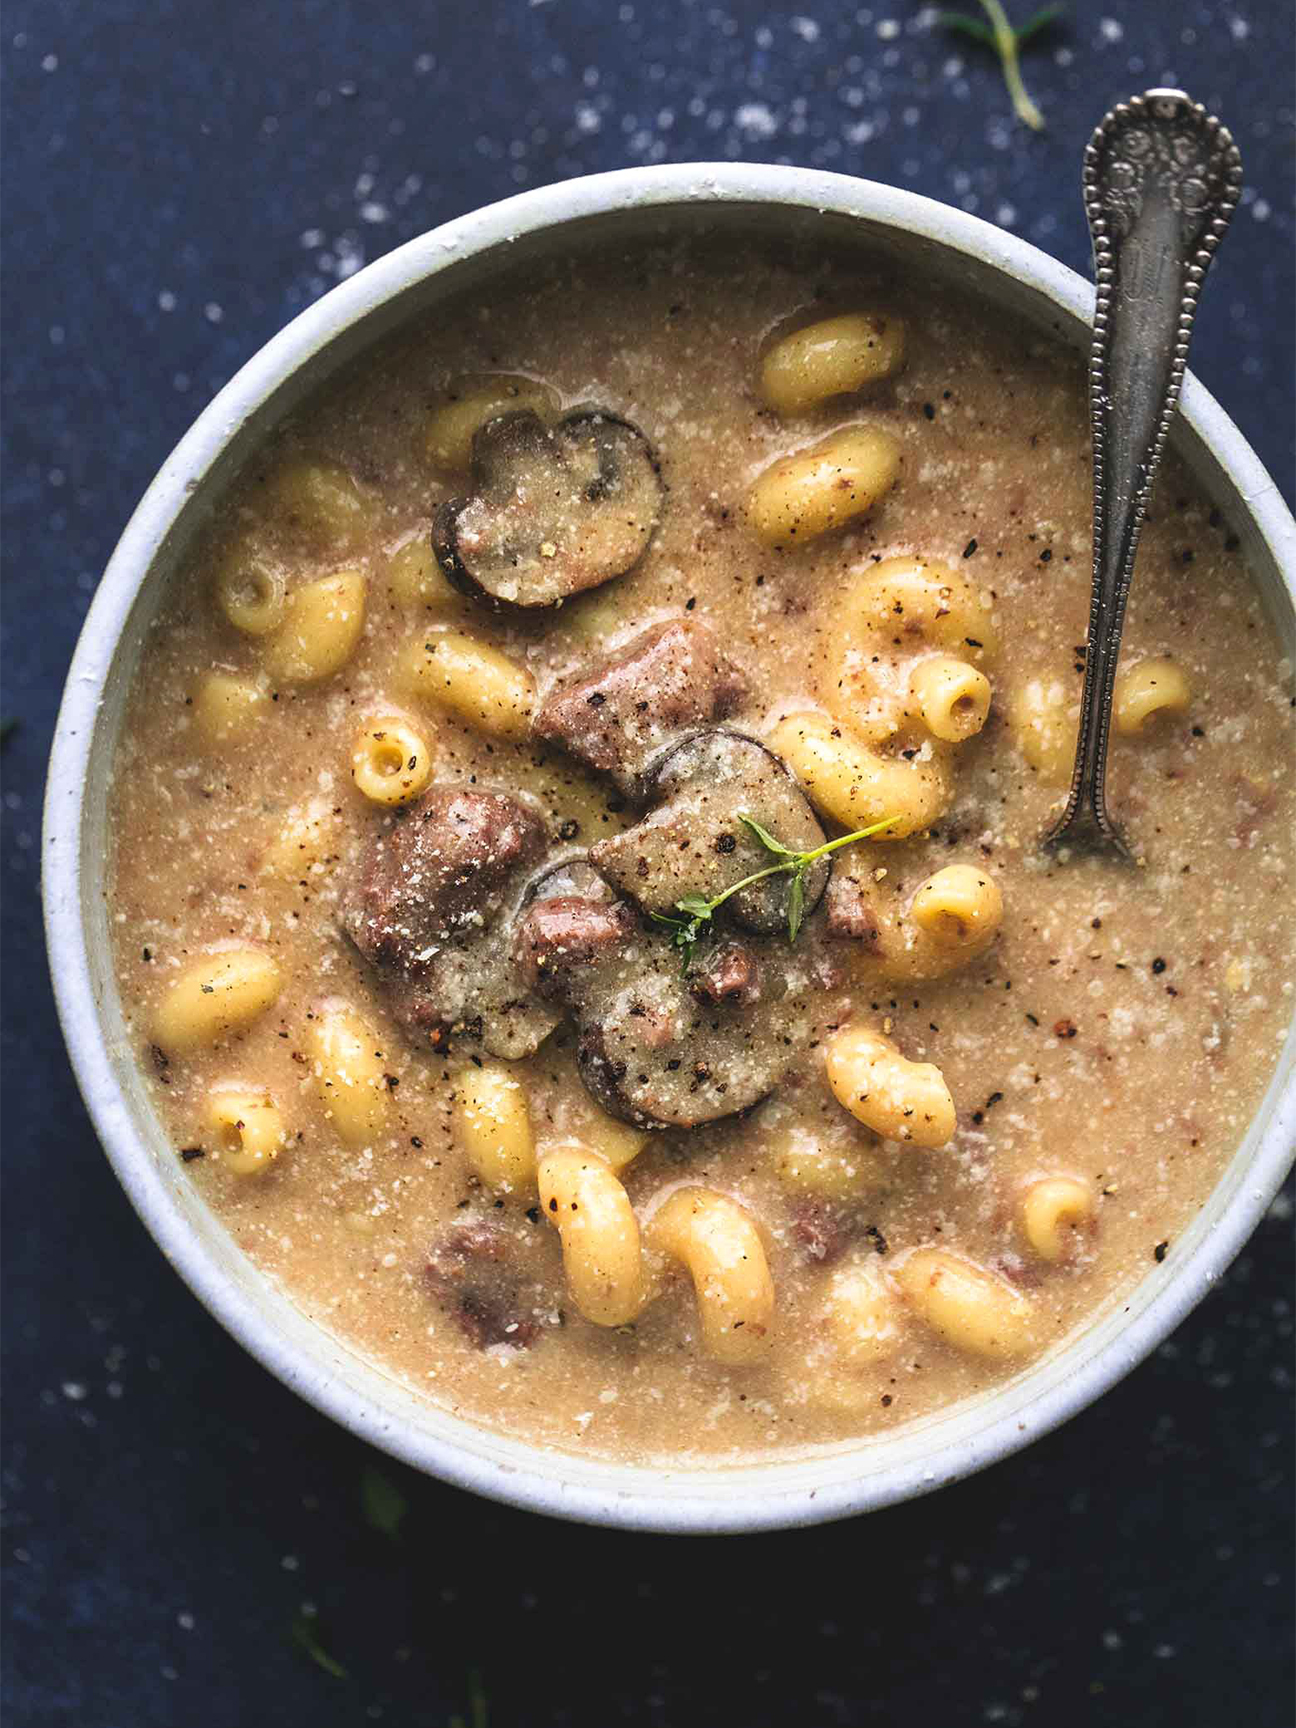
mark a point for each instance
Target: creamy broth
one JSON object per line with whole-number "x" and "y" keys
{"x": 1117, "y": 1033}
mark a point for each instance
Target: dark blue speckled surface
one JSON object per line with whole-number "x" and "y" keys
{"x": 180, "y": 178}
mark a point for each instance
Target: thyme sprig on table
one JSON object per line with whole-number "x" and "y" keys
{"x": 994, "y": 31}
{"x": 698, "y": 912}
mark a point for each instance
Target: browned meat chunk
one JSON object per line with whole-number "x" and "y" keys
{"x": 617, "y": 716}
{"x": 468, "y": 1273}
{"x": 728, "y": 972}
{"x": 695, "y": 843}
{"x": 849, "y": 910}
{"x": 565, "y": 934}
{"x": 552, "y": 512}
{"x": 822, "y": 1232}
{"x": 439, "y": 869}
{"x": 432, "y": 910}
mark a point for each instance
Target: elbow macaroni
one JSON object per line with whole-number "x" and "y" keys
{"x": 862, "y": 1312}
{"x": 913, "y": 634}
{"x": 960, "y": 909}
{"x": 471, "y": 680}
{"x": 493, "y": 1127}
{"x": 834, "y": 357}
{"x": 1045, "y": 721}
{"x": 1151, "y": 688}
{"x": 951, "y": 696}
{"x": 414, "y": 578}
{"x": 250, "y": 589}
{"x": 899, "y": 1099}
{"x": 213, "y": 998}
{"x": 824, "y": 1167}
{"x": 349, "y": 1073}
{"x": 846, "y": 779}
{"x": 323, "y": 505}
{"x": 586, "y": 1202}
{"x": 301, "y": 847}
{"x": 322, "y": 626}
{"x": 720, "y": 1246}
{"x": 249, "y": 1130}
{"x": 814, "y": 491}
{"x": 391, "y": 763}
{"x": 965, "y": 1304}
{"x": 1053, "y": 1211}
{"x": 452, "y": 427}
{"x": 226, "y": 709}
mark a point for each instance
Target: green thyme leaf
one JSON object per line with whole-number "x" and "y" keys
{"x": 1043, "y": 20}
{"x": 383, "y": 1504}
{"x": 689, "y": 931}
{"x": 997, "y": 34}
{"x": 976, "y": 28}
{"x": 767, "y": 840}
{"x": 8, "y": 728}
{"x": 305, "y": 1633}
{"x": 796, "y": 904}
{"x": 697, "y": 905}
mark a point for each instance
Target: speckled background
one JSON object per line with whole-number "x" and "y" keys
{"x": 180, "y": 178}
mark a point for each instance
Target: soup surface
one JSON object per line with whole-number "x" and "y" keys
{"x": 503, "y": 666}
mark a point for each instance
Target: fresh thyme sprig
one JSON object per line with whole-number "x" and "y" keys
{"x": 698, "y": 911}
{"x": 1006, "y": 41}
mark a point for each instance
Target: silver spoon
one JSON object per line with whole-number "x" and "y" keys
{"x": 1161, "y": 179}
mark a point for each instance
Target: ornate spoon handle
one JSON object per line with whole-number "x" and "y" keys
{"x": 1161, "y": 179}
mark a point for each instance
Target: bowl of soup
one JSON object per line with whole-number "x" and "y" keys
{"x": 543, "y": 860}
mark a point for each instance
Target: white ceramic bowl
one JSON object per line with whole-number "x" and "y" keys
{"x": 915, "y": 233}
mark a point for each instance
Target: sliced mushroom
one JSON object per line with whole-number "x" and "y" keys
{"x": 654, "y": 1055}
{"x": 553, "y": 511}
{"x": 623, "y": 711}
{"x": 656, "y": 1046}
{"x": 694, "y": 843}
{"x": 433, "y": 910}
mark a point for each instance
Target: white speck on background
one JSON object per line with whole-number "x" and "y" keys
{"x": 166, "y": 300}
{"x": 1261, "y": 210}
{"x": 212, "y": 312}
{"x": 50, "y": 63}
{"x": 74, "y": 1390}
{"x": 1239, "y": 29}
{"x": 860, "y": 132}
{"x": 805, "y": 28}
{"x": 56, "y": 335}
{"x": 1110, "y": 29}
{"x": 888, "y": 29}
{"x": 1006, "y": 215}
{"x": 372, "y": 211}
{"x": 588, "y": 118}
{"x": 755, "y": 121}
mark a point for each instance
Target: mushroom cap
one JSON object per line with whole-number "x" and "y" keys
{"x": 693, "y": 841}
{"x": 553, "y": 511}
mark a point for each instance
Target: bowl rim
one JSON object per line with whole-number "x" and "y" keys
{"x": 543, "y": 1483}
